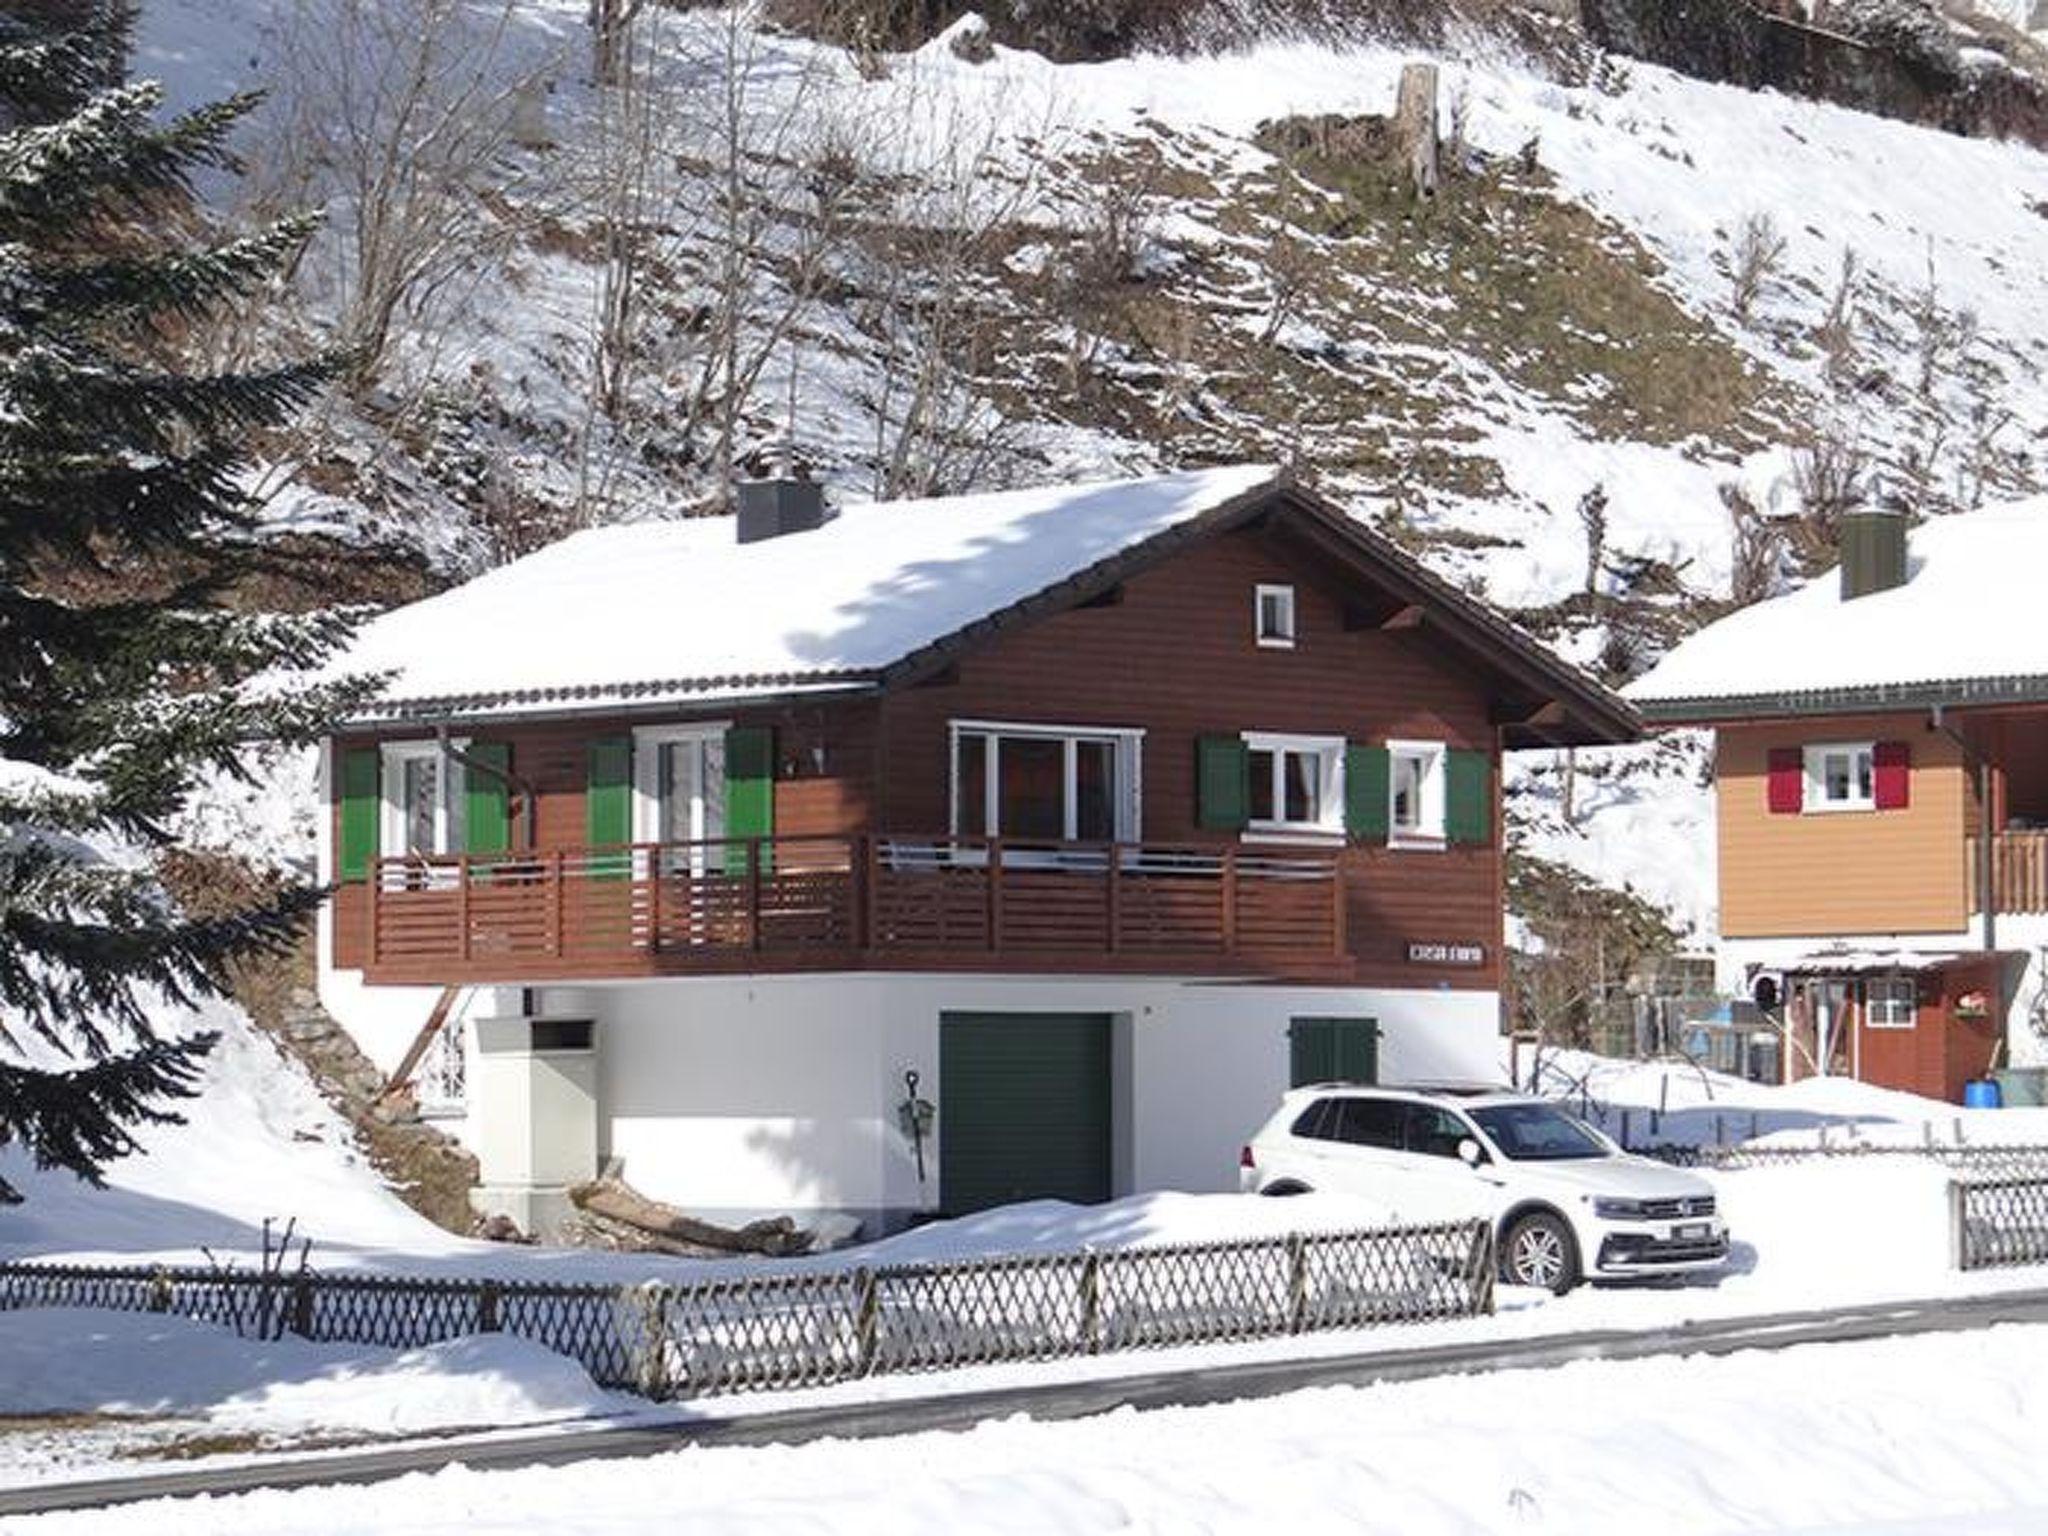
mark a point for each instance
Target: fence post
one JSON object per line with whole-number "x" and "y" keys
{"x": 867, "y": 1308}
{"x": 1091, "y": 1302}
{"x": 1487, "y": 1263}
{"x": 1959, "y": 1254}
{"x": 302, "y": 1306}
{"x": 160, "y": 1289}
{"x": 1297, "y": 1282}
{"x": 653, "y": 1373}
{"x": 487, "y": 1295}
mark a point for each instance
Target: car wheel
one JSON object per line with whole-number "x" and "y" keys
{"x": 1538, "y": 1250}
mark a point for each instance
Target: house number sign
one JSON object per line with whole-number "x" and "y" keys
{"x": 1436, "y": 952}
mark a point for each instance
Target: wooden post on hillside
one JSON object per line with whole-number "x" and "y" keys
{"x": 1415, "y": 123}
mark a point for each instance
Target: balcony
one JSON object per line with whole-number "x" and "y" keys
{"x": 855, "y": 903}
{"x": 2019, "y": 871}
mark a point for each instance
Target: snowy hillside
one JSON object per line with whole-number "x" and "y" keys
{"x": 1636, "y": 297}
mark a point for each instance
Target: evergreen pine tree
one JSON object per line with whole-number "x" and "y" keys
{"x": 127, "y": 672}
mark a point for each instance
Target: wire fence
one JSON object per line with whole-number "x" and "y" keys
{"x": 814, "y": 1328}
{"x": 1998, "y": 1223}
{"x": 2013, "y": 1159}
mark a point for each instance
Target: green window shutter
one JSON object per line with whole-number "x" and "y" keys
{"x": 1223, "y": 783}
{"x": 1358, "y": 1050}
{"x": 1311, "y": 1052}
{"x": 362, "y": 797}
{"x": 1366, "y": 771}
{"x": 1468, "y": 796}
{"x": 608, "y": 803}
{"x": 487, "y": 799}
{"x": 749, "y": 792}
{"x": 1333, "y": 1051}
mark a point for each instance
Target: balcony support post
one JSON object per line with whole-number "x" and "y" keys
{"x": 1987, "y": 866}
{"x": 1340, "y": 938}
{"x": 555, "y": 903}
{"x": 871, "y": 879}
{"x": 654, "y": 862}
{"x": 754, "y": 892}
{"x": 995, "y": 894}
{"x": 1230, "y": 901}
{"x": 1113, "y": 897}
{"x": 462, "y": 906}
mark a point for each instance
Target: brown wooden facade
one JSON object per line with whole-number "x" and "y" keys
{"x": 863, "y": 790}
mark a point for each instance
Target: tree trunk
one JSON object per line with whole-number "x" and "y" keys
{"x": 1415, "y": 122}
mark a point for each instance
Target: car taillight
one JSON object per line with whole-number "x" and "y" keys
{"x": 1244, "y": 1157}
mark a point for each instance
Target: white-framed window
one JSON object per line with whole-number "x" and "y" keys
{"x": 1297, "y": 783}
{"x": 421, "y": 796}
{"x": 1273, "y": 615}
{"x": 1045, "y": 783}
{"x": 440, "y": 1083}
{"x": 1841, "y": 776}
{"x": 1889, "y": 1002}
{"x": 1415, "y": 793}
{"x": 679, "y": 791}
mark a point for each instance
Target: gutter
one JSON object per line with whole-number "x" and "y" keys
{"x": 528, "y": 800}
{"x": 1710, "y": 709}
{"x": 1987, "y": 883}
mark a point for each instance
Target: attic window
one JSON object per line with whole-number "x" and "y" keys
{"x": 1273, "y": 616}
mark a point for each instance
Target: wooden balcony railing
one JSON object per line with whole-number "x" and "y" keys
{"x": 791, "y": 903}
{"x": 2019, "y": 871}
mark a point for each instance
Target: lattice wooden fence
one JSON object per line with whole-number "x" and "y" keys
{"x": 816, "y": 1327}
{"x": 1997, "y": 1223}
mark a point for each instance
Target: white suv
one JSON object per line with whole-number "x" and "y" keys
{"x": 1566, "y": 1202}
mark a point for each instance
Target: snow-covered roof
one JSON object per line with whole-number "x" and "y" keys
{"x": 1966, "y": 625}
{"x": 648, "y": 612}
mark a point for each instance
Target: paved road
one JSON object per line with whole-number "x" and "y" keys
{"x": 1052, "y": 1400}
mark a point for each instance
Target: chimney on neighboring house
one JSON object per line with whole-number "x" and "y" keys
{"x": 787, "y": 501}
{"x": 1873, "y": 550}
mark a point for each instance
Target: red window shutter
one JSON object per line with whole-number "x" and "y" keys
{"x": 1788, "y": 780}
{"x": 1892, "y": 774}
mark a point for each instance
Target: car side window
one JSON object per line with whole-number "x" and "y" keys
{"x": 1315, "y": 1123}
{"x": 1434, "y": 1132}
{"x": 1370, "y": 1123}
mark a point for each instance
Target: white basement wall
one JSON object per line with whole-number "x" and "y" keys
{"x": 748, "y": 1095}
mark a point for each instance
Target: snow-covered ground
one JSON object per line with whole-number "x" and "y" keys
{"x": 1670, "y": 1102}
{"x": 262, "y": 1144}
{"x": 1926, "y": 1435}
{"x": 148, "y": 1384}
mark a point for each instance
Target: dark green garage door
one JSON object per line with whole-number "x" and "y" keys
{"x": 1023, "y": 1108}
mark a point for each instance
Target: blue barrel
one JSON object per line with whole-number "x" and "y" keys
{"x": 1981, "y": 1093}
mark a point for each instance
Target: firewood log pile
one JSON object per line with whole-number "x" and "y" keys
{"x": 616, "y": 1215}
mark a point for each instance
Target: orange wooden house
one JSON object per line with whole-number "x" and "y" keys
{"x": 1881, "y": 794}
{"x": 933, "y": 854}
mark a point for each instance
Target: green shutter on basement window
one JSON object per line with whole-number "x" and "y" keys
{"x": 749, "y": 792}
{"x": 1468, "y": 796}
{"x": 487, "y": 798}
{"x": 361, "y": 776}
{"x": 1366, "y": 771}
{"x": 1223, "y": 783}
{"x": 1324, "y": 1050}
{"x": 608, "y": 804}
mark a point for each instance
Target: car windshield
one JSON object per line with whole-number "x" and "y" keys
{"x": 1537, "y": 1133}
